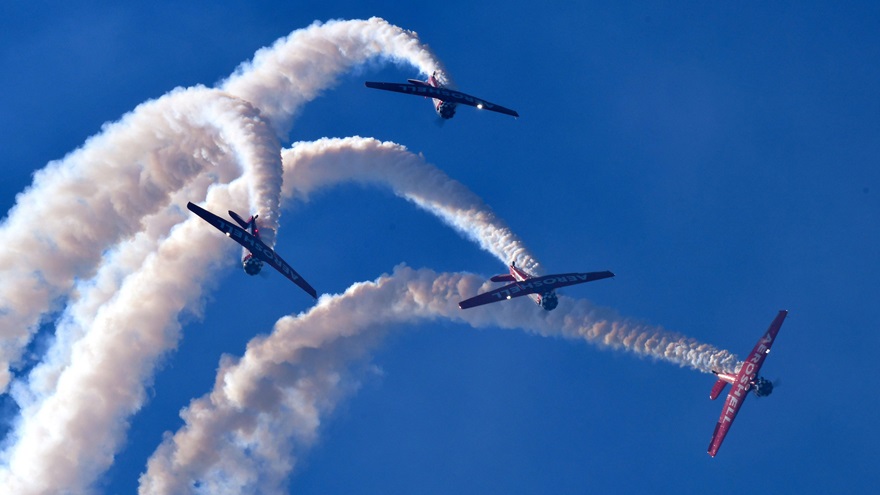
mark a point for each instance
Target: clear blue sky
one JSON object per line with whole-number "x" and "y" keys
{"x": 721, "y": 160}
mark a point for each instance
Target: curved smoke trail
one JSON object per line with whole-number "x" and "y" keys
{"x": 126, "y": 173}
{"x": 135, "y": 167}
{"x": 264, "y": 412}
{"x": 296, "y": 69}
{"x": 66, "y": 440}
{"x": 247, "y": 434}
{"x": 311, "y": 165}
{"x": 173, "y": 278}
{"x": 109, "y": 186}
{"x": 140, "y": 265}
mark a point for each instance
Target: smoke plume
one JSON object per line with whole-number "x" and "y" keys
{"x": 367, "y": 161}
{"x": 100, "y": 194}
{"x": 296, "y": 69}
{"x": 266, "y": 408}
{"x": 107, "y": 220}
{"x": 102, "y": 235}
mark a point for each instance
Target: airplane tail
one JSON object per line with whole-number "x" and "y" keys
{"x": 246, "y": 225}
{"x": 503, "y": 278}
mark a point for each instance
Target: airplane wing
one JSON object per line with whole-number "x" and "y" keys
{"x": 762, "y": 348}
{"x": 532, "y": 286}
{"x": 231, "y": 230}
{"x": 728, "y": 414}
{"x": 254, "y": 245}
{"x": 269, "y": 255}
{"x": 443, "y": 94}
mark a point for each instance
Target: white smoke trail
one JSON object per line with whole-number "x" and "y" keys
{"x": 91, "y": 295}
{"x": 265, "y": 410}
{"x": 101, "y": 383}
{"x": 66, "y": 440}
{"x": 296, "y": 69}
{"x": 127, "y": 171}
{"x": 79, "y": 364}
{"x": 239, "y": 438}
{"x": 312, "y": 166}
{"x": 317, "y": 164}
{"x": 98, "y": 195}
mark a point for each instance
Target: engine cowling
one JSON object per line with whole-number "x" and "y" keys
{"x": 549, "y": 300}
{"x": 251, "y": 265}
{"x": 446, "y": 109}
{"x": 763, "y": 387}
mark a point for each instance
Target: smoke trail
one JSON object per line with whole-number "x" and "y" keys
{"x": 80, "y": 365}
{"x": 280, "y": 79}
{"x": 132, "y": 323}
{"x": 66, "y": 440}
{"x": 126, "y": 172}
{"x": 98, "y": 195}
{"x": 312, "y": 165}
{"x": 119, "y": 262}
{"x": 265, "y": 410}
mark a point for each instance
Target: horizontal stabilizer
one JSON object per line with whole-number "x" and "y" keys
{"x": 237, "y": 218}
{"x": 503, "y": 278}
{"x": 717, "y": 389}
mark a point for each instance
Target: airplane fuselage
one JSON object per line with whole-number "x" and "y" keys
{"x": 745, "y": 380}
{"x": 434, "y": 89}
{"x": 255, "y": 252}
{"x": 251, "y": 264}
{"x": 547, "y": 300}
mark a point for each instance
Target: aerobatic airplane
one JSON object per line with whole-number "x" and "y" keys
{"x": 540, "y": 289}
{"x": 255, "y": 250}
{"x": 445, "y": 99}
{"x": 744, "y": 381}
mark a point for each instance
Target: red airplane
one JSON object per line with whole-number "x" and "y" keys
{"x": 445, "y": 99}
{"x": 540, "y": 289}
{"x": 744, "y": 381}
{"x": 255, "y": 251}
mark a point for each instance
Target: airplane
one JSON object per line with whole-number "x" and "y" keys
{"x": 540, "y": 289}
{"x": 744, "y": 381}
{"x": 445, "y": 99}
{"x": 255, "y": 251}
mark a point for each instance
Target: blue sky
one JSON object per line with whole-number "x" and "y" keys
{"x": 721, "y": 160}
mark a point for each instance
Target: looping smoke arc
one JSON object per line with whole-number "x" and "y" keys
{"x": 310, "y": 165}
{"x": 248, "y": 433}
{"x": 128, "y": 172}
{"x": 127, "y": 261}
{"x": 266, "y": 408}
{"x": 119, "y": 184}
